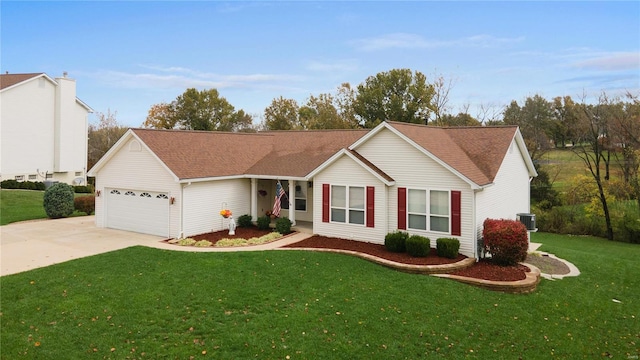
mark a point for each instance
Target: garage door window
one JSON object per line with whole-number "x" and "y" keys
{"x": 145, "y": 195}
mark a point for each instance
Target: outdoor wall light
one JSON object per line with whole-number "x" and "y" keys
{"x": 172, "y": 200}
{"x": 98, "y": 192}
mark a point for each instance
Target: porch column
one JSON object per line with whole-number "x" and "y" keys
{"x": 254, "y": 199}
{"x": 292, "y": 201}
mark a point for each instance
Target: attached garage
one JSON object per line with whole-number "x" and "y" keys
{"x": 145, "y": 212}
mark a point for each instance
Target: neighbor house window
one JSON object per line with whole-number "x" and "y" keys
{"x": 49, "y": 176}
{"x": 348, "y": 204}
{"x": 428, "y": 210}
{"x": 33, "y": 177}
{"x": 78, "y": 173}
{"x": 299, "y": 197}
{"x": 20, "y": 177}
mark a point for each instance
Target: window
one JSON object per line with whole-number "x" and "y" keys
{"x": 348, "y": 204}
{"x": 130, "y": 193}
{"x": 33, "y": 177}
{"x": 49, "y": 176}
{"x": 162, "y": 196}
{"x": 115, "y": 192}
{"x": 299, "y": 198}
{"x": 78, "y": 173}
{"x": 145, "y": 194}
{"x": 428, "y": 210}
{"x": 20, "y": 177}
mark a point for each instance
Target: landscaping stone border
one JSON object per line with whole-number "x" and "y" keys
{"x": 527, "y": 285}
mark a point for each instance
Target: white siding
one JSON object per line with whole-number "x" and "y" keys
{"x": 35, "y": 139}
{"x": 510, "y": 193}
{"x": 203, "y": 202}
{"x": 134, "y": 168}
{"x": 27, "y": 129}
{"x": 410, "y": 168}
{"x": 345, "y": 171}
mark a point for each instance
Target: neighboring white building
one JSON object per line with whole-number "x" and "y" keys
{"x": 352, "y": 184}
{"x": 43, "y": 129}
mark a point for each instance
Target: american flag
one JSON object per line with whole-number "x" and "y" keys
{"x": 276, "y": 205}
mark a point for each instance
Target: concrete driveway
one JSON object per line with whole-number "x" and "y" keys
{"x": 33, "y": 244}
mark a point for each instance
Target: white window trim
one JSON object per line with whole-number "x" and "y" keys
{"x": 287, "y": 197}
{"x": 347, "y": 207}
{"x": 428, "y": 214}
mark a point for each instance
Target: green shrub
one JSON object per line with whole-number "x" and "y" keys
{"x": 448, "y": 247}
{"x": 58, "y": 201}
{"x": 40, "y": 186}
{"x": 82, "y": 189}
{"x": 203, "y": 243}
{"x": 245, "y": 221}
{"x": 263, "y": 222}
{"x": 396, "y": 241}
{"x": 283, "y": 225}
{"x": 186, "y": 242}
{"x": 9, "y": 184}
{"x": 627, "y": 229}
{"x": 506, "y": 241}
{"x": 418, "y": 246}
{"x": 85, "y": 204}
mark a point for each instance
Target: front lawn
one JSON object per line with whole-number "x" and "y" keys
{"x": 21, "y": 205}
{"x": 149, "y": 303}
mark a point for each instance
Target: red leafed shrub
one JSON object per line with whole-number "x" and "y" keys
{"x": 506, "y": 241}
{"x": 85, "y": 204}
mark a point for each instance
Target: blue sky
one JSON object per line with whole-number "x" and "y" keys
{"x": 127, "y": 56}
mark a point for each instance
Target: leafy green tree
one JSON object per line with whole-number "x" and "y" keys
{"x": 321, "y": 113}
{"x": 461, "y": 119}
{"x": 282, "y": 114}
{"x": 397, "y": 95}
{"x": 534, "y": 119}
{"x": 564, "y": 116}
{"x": 203, "y": 110}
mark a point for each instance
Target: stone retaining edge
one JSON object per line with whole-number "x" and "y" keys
{"x": 527, "y": 285}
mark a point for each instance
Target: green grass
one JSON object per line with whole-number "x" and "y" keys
{"x": 149, "y": 303}
{"x": 563, "y": 164}
{"x": 21, "y": 205}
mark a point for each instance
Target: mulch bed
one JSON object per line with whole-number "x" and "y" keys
{"x": 483, "y": 269}
{"x": 241, "y": 233}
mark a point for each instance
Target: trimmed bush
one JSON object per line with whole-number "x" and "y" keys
{"x": 58, "y": 201}
{"x": 82, "y": 189}
{"x": 418, "y": 246}
{"x": 506, "y": 241}
{"x": 25, "y": 185}
{"x": 396, "y": 241}
{"x": 448, "y": 247}
{"x": 263, "y": 222}
{"x": 283, "y": 225}
{"x": 85, "y": 204}
{"x": 245, "y": 221}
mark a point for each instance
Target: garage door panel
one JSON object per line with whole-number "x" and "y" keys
{"x": 139, "y": 211}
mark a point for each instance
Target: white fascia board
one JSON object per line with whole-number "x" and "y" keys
{"x": 130, "y": 134}
{"x": 109, "y": 154}
{"x": 419, "y": 148}
{"x": 84, "y": 105}
{"x": 43, "y": 75}
{"x": 345, "y": 152}
{"x": 243, "y": 176}
{"x": 525, "y": 153}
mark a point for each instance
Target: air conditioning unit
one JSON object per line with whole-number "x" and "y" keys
{"x": 529, "y": 221}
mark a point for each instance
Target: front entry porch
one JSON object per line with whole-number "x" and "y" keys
{"x": 296, "y": 204}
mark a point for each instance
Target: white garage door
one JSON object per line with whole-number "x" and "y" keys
{"x": 145, "y": 212}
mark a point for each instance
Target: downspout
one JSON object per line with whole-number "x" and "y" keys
{"x": 181, "y": 234}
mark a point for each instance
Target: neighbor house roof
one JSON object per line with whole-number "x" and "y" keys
{"x": 8, "y": 80}
{"x": 206, "y": 154}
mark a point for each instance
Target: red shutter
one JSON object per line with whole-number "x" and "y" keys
{"x": 325, "y": 202}
{"x": 371, "y": 191}
{"x": 455, "y": 213}
{"x": 402, "y": 208}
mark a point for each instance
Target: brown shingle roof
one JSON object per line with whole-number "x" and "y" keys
{"x": 476, "y": 152}
{"x": 7, "y": 80}
{"x": 203, "y": 154}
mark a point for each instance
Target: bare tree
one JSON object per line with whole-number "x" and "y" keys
{"x": 103, "y": 135}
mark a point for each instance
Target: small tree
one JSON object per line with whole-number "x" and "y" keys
{"x": 58, "y": 201}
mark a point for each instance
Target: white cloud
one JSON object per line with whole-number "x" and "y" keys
{"x": 613, "y": 61}
{"x": 415, "y": 41}
{"x": 337, "y": 66}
